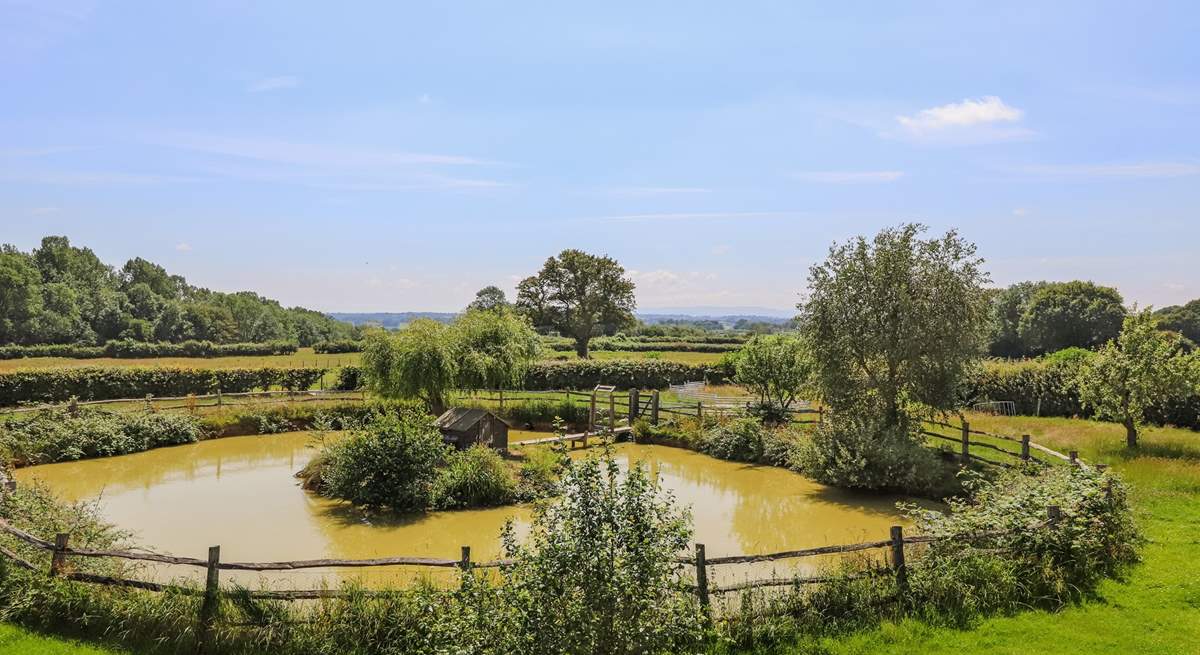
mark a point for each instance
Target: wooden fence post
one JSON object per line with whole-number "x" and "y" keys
{"x": 220, "y": 401}
{"x": 634, "y": 405}
{"x": 149, "y": 402}
{"x": 212, "y": 599}
{"x": 654, "y": 407}
{"x": 58, "y": 560}
{"x": 1024, "y": 448}
{"x": 591, "y": 415}
{"x": 1074, "y": 455}
{"x": 966, "y": 442}
{"x": 701, "y": 576}
{"x": 1053, "y": 515}
{"x": 700, "y": 411}
{"x": 501, "y": 392}
{"x": 464, "y": 561}
{"x": 898, "y": 565}
{"x": 612, "y": 412}
{"x": 820, "y": 414}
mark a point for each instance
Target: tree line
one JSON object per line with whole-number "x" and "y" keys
{"x": 62, "y": 294}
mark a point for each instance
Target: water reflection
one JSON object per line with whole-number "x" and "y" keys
{"x": 240, "y": 492}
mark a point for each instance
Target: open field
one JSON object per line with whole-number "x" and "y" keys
{"x": 302, "y": 357}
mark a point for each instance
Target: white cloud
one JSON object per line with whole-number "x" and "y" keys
{"x": 424, "y": 99}
{"x": 1020, "y": 211}
{"x": 183, "y": 247}
{"x": 670, "y": 288}
{"x": 989, "y": 109}
{"x": 1139, "y": 170}
{"x": 274, "y": 83}
{"x": 972, "y": 121}
{"x": 695, "y": 216}
{"x": 848, "y": 177}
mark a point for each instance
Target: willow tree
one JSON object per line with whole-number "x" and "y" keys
{"x": 1143, "y": 366}
{"x": 428, "y": 360}
{"x": 895, "y": 322}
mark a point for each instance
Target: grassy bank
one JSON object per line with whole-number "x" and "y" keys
{"x": 1155, "y": 610}
{"x": 15, "y": 640}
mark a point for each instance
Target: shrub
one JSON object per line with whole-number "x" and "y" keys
{"x": 60, "y": 434}
{"x": 390, "y": 462}
{"x": 598, "y": 573}
{"x": 337, "y": 347}
{"x": 740, "y": 440}
{"x": 475, "y": 477}
{"x": 129, "y": 349}
{"x": 861, "y": 452}
{"x": 545, "y": 411}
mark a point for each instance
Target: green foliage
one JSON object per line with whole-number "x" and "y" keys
{"x": 494, "y": 348}
{"x": 777, "y": 368}
{"x": 598, "y": 575}
{"x": 1063, "y": 314}
{"x": 578, "y": 294}
{"x": 740, "y": 440}
{"x": 338, "y": 347}
{"x": 533, "y": 412}
{"x": 86, "y": 383}
{"x": 490, "y": 298}
{"x": 624, "y": 373}
{"x": 390, "y": 462}
{"x": 475, "y": 477}
{"x": 863, "y": 451}
{"x": 62, "y": 434}
{"x": 1184, "y": 319}
{"x": 895, "y": 322}
{"x": 60, "y": 294}
{"x": 1142, "y": 367}
{"x": 1008, "y": 306}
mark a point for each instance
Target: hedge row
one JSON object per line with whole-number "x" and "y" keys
{"x": 648, "y": 346}
{"x": 1040, "y": 389}
{"x": 57, "y": 385}
{"x": 587, "y": 373}
{"x": 129, "y": 349}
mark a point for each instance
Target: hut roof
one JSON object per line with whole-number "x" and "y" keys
{"x": 461, "y": 418}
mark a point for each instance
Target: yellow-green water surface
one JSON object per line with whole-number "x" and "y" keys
{"x": 241, "y": 493}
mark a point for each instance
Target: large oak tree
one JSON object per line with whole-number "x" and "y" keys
{"x": 577, "y": 293}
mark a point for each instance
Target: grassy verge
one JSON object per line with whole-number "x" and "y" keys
{"x": 15, "y": 640}
{"x": 1155, "y": 610}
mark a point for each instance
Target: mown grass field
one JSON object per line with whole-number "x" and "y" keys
{"x": 1155, "y": 610}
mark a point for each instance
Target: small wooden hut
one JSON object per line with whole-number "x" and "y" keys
{"x": 464, "y": 427}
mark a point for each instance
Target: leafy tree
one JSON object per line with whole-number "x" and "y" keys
{"x": 20, "y": 295}
{"x": 776, "y": 368}
{"x": 419, "y": 362}
{"x": 1064, "y": 314}
{"x": 1184, "y": 319}
{"x": 1141, "y": 367}
{"x": 895, "y": 321}
{"x": 490, "y": 298}
{"x": 495, "y": 348}
{"x": 598, "y": 572}
{"x": 1008, "y": 306}
{"x": 576, "y": 293}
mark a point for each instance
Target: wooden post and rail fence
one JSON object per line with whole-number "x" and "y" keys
{"x": 209, "y": 610}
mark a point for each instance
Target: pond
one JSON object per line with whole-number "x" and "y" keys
{"x": 240, "y": 493}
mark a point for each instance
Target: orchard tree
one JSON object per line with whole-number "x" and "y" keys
{"x": 777, "y": 368}
{"x": 1141, "y": 367}
{"x": 575, "y": 293}
{"x": 490, "y": 298}
{"x": 895, "y": 322}
{"x": 1065, "y": 314}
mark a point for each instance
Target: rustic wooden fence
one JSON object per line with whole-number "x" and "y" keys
{"x": 199, "y": 401}
{"x": 60, "y": 550}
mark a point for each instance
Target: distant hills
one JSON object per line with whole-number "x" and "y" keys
{"x": 726, "y": 316}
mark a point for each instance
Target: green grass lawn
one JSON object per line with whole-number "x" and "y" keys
{"x": 19, "y": 641}
{"x": 1155, "y": 610}
{"x": 302, "y": 357}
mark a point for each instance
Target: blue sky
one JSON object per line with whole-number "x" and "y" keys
{"x": 398, "y": 156}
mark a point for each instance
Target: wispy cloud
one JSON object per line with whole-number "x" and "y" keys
{"x": 1020, "y": 211}
{"x": 1162, "y": 169}
{"x": 302, "y": 153}
{"x": 274, "y": 83}
{"x": 183, "y": 247}
{"x": 848, "y": 177}
{"x": 695, "y": 216}
{"x": 973, "y": 120}
{"x": 91, "y": 178}
{"x": 645, "y": 191}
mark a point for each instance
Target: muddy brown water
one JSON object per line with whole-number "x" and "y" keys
{"x": 240, "y": 493}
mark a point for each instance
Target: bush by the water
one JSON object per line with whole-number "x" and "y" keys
{"x": 475, "y": 477}
{"x": 88, "y": 383}
{"x": 859, "y": 451}
{"x": 63, "y": 434}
